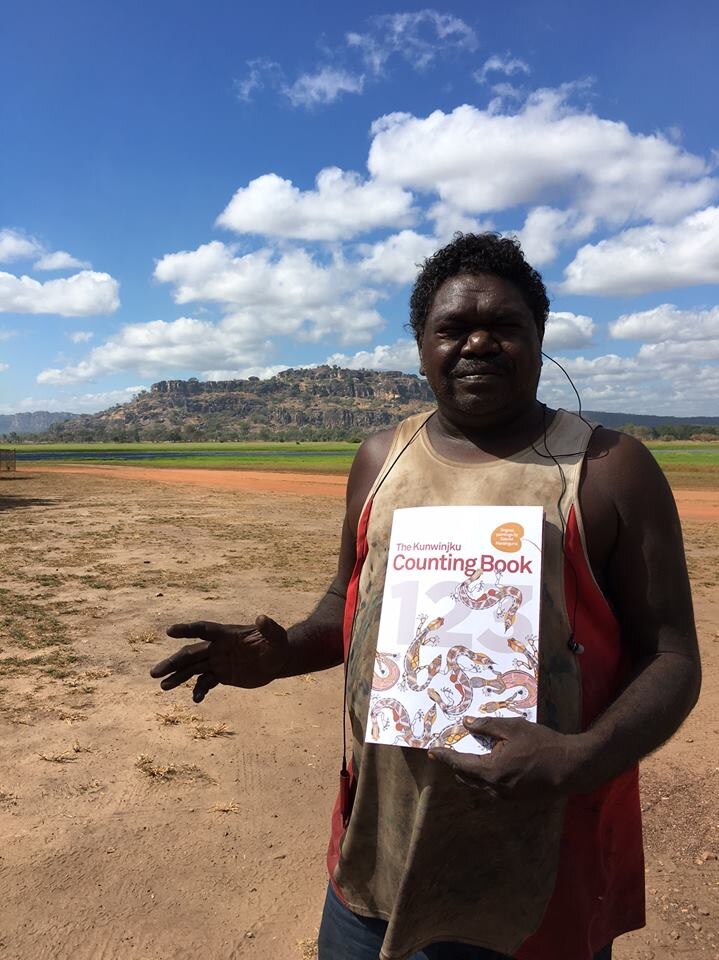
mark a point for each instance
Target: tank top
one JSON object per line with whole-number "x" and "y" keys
{"x": 438, "y": 861}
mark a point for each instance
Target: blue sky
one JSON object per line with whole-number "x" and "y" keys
{"x": 218, "y": 191}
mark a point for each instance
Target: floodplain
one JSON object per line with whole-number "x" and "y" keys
{"x": 686, "y": 463}
{"x": 135, "y": 824}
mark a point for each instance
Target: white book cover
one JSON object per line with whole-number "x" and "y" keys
{"x": 459, "y": 628}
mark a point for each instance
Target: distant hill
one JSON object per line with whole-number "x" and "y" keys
{"x": 317, "y": 403}
{"x": 37, "y": 422}
{"x": 325, "y": 403}
{"x": 615, "y": 420}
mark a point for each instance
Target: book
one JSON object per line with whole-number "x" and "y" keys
{"x": 459, "y": 627}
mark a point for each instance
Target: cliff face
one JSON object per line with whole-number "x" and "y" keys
{"x": 319, "y": 403}
{"x": 37, "y": 422}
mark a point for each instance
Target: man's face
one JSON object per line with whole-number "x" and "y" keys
{"x": 481, "y": 351}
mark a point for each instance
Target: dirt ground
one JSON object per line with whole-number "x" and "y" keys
{"x": 134, "y": 824}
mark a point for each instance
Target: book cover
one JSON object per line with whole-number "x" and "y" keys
{"x": 459, "y": 628}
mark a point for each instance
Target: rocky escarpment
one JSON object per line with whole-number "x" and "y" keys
{"x": 36, "y": 422}
{"x": 317, "y": 403}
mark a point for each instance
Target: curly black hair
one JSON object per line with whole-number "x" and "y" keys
{"x": 473, "y": 253}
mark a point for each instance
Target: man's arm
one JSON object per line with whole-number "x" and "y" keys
{"x": 636, "y": 552}
{"x": 252, "y": 655}
{"x": 648, "y": 586}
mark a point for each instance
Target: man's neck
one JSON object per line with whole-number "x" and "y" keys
{"x": 494, "y": 439}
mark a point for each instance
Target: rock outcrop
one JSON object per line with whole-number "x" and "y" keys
{"x": 316, "y": 403}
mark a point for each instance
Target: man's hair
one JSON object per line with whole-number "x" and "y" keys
{"x": 473, "y": 253}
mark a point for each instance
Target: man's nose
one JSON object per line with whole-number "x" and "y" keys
{"x": 479, "y": 342}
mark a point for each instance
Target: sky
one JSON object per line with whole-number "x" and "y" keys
{"x": 221, "y": 190}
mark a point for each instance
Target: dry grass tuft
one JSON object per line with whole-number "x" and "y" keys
{"x": 96, "y": 674}
{"x": 71, "y": 716}
{"x": 177, "y": 716}
{"x": 308, "y": 948}
{"x": 66, "y": 757}
{"x": 231, "y": 806}
{"x": 204, "y": 731}
{"x": 171, "y": 771}
{"x": 149, "y": 636}
{"x": 92, "y": 786}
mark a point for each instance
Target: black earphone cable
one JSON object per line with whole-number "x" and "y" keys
{"x": 571, "y": 643}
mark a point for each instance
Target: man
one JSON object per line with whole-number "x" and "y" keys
{"x": 534, "y": 850}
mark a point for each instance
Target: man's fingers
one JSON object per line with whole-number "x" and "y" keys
{"x": 200, "y": 629}
{"x": 205, "y": 683}
{"x": 181, "y": 676}
{"x": 498, "y": 728}
{"x": 185, "y": 657}
{"x": 270, "y": 630}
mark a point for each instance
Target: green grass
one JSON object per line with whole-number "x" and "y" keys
{"x": 247, "y": 446}
{"x": 310, "y": 456}
{"x": 687, "y": 464}
{"x": 336, "y": 464}
{"x": 24, "y": 623}
{"x": 58, "y": 664}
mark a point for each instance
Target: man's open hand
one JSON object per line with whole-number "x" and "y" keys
{"x": 241, "y": 656}
{"x": 527, "y": 761}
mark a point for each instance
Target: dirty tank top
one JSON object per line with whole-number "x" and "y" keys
{"x": 438, "y": 860}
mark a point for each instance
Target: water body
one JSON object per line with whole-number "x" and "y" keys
{"x": 124, "y": 455}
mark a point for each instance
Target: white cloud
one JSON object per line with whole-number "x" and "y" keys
{"x": 401, "y": 355}
{"x": 340, "y": 206}
{"x": 149, "y": 348}
{"x": 448, "y": 220}
{"x": 505, "y": 64}
{"x": 16, "y": 245}
{"x": 83, "y": 294}
{"x": 652, "y": 257}
{"x": 262, "y": 73}
{"x": 7, "y": 334}
{"x": 60, "y": 260}
{"x": 567, "y": 330}
{"x": 507, "y": 91}
{"x": 547, "y": 151}
{"x": 396, "y": 258}
{"x": 80, "y": 336}
{"x": 417, "y": 37}
{"x": 4, "y": 367}
{"x": 667, "y": 321}
{"x": 264, "y": 293}
{"x": 324, "y": 86}
{"x": 681, "y": 351}
{"x": 264, "y": 373}
{"x": 652, "y": 381}
{"x": 239, "y": 343}
{"x": 79, "y": 403}
{"x": 546, "y": 229}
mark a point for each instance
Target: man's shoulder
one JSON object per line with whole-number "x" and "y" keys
{"x": 370, "y": 459}
{"x": 620, "y": 467}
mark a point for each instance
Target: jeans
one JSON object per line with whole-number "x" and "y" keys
{"x": 347, "y": 936}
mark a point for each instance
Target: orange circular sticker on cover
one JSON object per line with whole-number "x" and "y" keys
{"x": 508, "y": 537}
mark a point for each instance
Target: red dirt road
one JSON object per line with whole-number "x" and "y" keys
{"x": 700, "y": 504}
